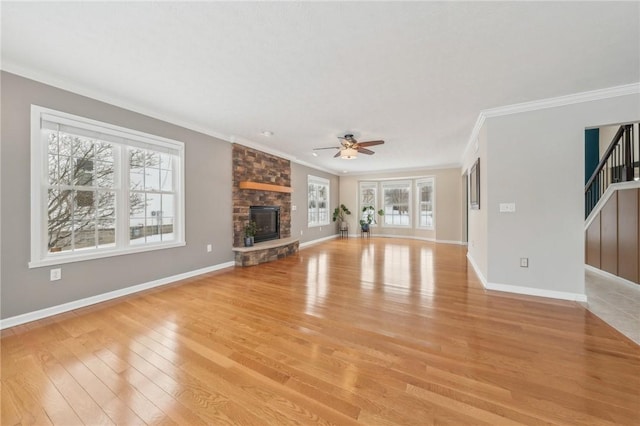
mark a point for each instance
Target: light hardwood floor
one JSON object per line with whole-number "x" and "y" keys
{"x": 379, "y": 331}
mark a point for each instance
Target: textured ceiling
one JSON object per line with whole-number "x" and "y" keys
{"x": 414, "y": 74}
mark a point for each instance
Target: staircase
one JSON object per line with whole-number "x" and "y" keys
{"x": 612, "y": 208}
{"x": 619, "y": 163}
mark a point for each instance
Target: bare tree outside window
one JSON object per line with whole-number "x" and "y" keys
{"x": 81, "y": 202}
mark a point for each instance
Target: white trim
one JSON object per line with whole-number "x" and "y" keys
{"x": 476, "y": 269}
{"x": 119, "y": 103}
{"x": 128, "y": 138}
{"x": 98, "y": 254}
{"x": 605, "y": 197}
{"x": 610, "y": 276}
{"x": 81, "y": 303}
{"x": 321, "y": 181}
{"x": 412, "y": 237}
{"x": 425, "y": 180}
{"x": 575, "y": 98}
{"x": 530, "y": 291}
{"x": 319, "y": 240}
{"x": 408, "y": 169}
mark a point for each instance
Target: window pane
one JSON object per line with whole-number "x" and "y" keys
{"x": 59, "y": 220}
{"x": 168, "y": 205}
{"x": 167, "y": 229}
{"x": 425, "y": 204}
{"x": 396, "y": 204}
{"x": 153, "y": 205}
{"x": 83, "y": 173}
{"x": 151, "y": 179}
{"x": 84, "y": 234}
{"x": 136, "y": 158}
{"x": 136, "y": 231}
{"x": 52, "y": 141}
{"x": 166, "y": 180}
{"x": 106, "y": 205}
{"x": 105, "y": 174}
{"x": 137, "y": 205}
{"x": 106, "y": 232}
{"x": 81, "y": 191}
{"x": 64, "y": 170}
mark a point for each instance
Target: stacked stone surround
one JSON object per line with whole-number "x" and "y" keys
{"x": 254, "y": 257}
{"x": 256, "y": 166}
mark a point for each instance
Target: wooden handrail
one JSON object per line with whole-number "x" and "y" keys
{"x": 606, "y": 156}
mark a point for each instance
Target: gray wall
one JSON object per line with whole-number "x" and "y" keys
{"x": 299, "y": 228}
{"x": 536, "y": 159}
{"x": 208, "y": 205}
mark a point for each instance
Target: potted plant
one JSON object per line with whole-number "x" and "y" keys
{"x": 369, "y": 217}
{"x": 249, "y": 232}
{"x": 340, "y": 214}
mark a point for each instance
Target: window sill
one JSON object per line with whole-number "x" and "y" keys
{"x": 72, "y": 258}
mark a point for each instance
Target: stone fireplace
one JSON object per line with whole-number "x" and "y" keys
{"x": 259, "y": 180}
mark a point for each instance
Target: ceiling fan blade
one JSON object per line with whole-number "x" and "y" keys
{"x": 328, "y": 147}
{"x": 337, "y": 154}
{"x": 370, "y": 143}
{"x": 365, "y": 151}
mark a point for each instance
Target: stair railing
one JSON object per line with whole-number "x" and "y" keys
{"x": 618, "y": 164}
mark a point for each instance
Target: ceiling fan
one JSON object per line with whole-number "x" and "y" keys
{"x": 350, "y": 147}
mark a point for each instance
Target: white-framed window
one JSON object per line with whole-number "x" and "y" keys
{"x": 318, "y": 201}
{"x": 396, "y": 197}
{"x": 425, "y": 194}
{"x": 100, "y": 190}
{"x": 368, "y": 198}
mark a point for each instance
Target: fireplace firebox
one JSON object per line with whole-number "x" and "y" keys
{"x": 267, "y": 219}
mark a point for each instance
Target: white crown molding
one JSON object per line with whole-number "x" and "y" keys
{"x": 407, "y": 170}
{"x": 575, "y": 98}
{"x": 76, "y": 304}
{"x": 101, "y": 97}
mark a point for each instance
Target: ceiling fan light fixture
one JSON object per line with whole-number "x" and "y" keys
{"x": 349, "y": 154}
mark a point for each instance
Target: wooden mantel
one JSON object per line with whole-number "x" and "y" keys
{"x": 265, "y": 187}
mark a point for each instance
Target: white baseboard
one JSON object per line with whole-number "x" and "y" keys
{"x": 475, "y": 267}
{"x": 76, "y": 304}
{"x": 413, "y": 237}
{"x": 610, "y": 276}
{"x": 529, "y": 291}
{"x": 319, "y": 240}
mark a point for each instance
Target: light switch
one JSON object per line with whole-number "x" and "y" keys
{"x": 507, "y": 207}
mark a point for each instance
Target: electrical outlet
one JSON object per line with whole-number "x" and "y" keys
{"x": 209, "y": 248}
{"x": 301, "y": 232}
{"x": 294, "y": 208}
{"x": 55, "y": 274}
{"x": 524, "y": 262}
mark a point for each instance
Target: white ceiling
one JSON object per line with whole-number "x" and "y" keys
{"x": 414, "y": 74}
